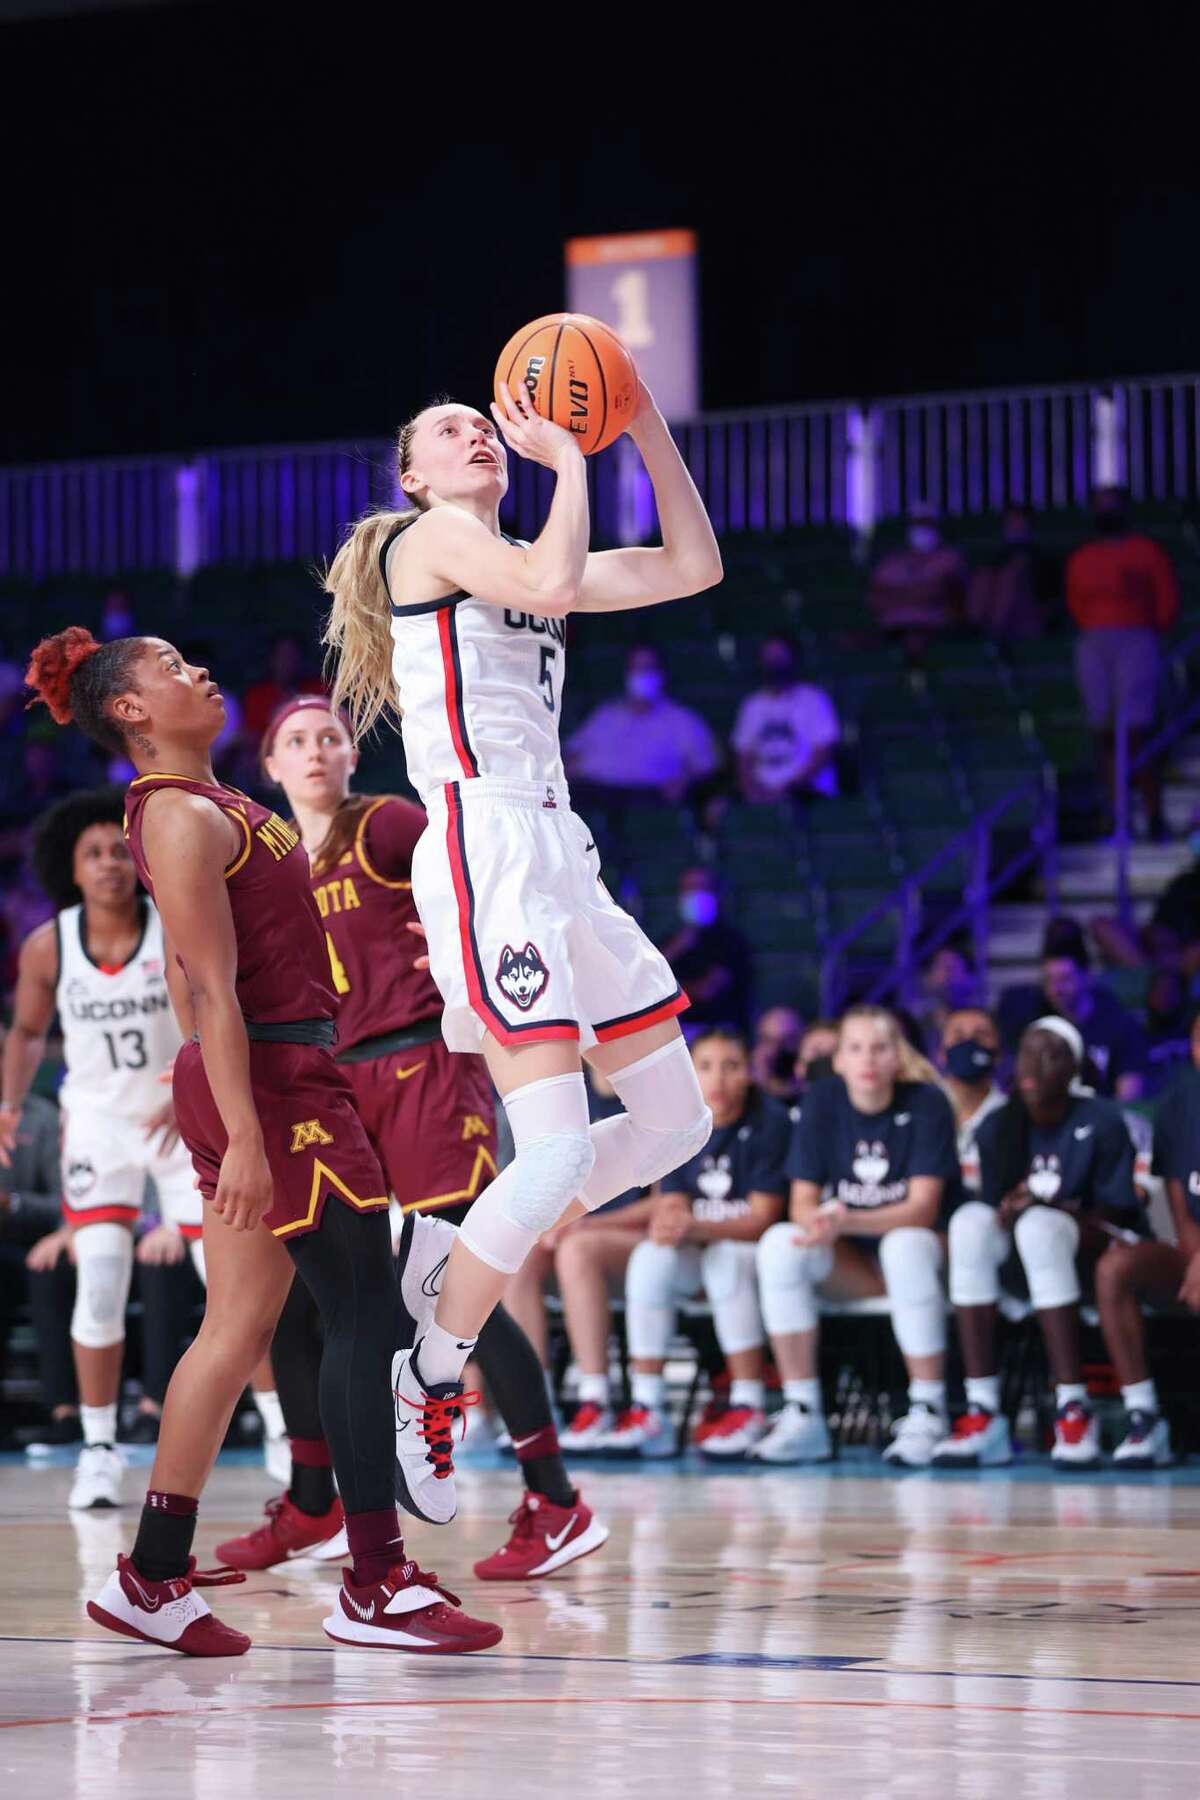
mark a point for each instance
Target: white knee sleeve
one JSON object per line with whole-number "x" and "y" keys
{"x": 730, "y": 1275}
{"x": 657, "y": 1279}
{"x": 1047, "y": 1241}
{"x": 553, "y": 1159}
{"x": 103, "y": 1267}
{"x": 978, "y": 1246}
{"x": 664, "y": 1123}
{"x": 788, "y": 1275}
{"x": 911, "y": 1260}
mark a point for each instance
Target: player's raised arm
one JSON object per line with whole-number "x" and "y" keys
{"x": 25, "y": 1045}
{"x": 686, "y": 562}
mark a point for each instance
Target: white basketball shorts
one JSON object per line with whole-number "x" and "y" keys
{"x": 525, "y": 941}
{"x": 105, "y": 1162}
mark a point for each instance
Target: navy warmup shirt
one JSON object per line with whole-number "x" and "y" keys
{"x": 867, "y": 1159}
{"x": 741, "y": 1159}
{"x": 1177, "y": 1137}
{"x": 1089, "y": 1158}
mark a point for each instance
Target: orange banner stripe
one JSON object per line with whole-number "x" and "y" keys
{"x": 631, "y": 246}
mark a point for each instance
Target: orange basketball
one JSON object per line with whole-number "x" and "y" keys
{"x": 577, "y": 372}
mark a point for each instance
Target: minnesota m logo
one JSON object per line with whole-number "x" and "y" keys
{"x": 473, "y": 1127}
{"x": 308, "y": 1133}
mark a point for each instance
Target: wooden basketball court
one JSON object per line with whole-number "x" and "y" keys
{"x": 839, "y": 1632}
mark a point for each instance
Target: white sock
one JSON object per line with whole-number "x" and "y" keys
{"x": 804, "y": 1391}
{"x": 1066, "y": 1391}
{"x": 99, "y": 1424}
{"x": 441, "y": 1357}
{"x": 983, "y": 1393}
{"x": 1140, "y": 1396}
{"x": 593, "y": 1389}
{"x": 647, "y": 1391}
{"x": 270, "y": 1412}
{"x": 927, "y": 1393}
{"x": 747, "y": 1393}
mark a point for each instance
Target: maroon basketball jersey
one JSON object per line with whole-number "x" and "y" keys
{"x": 283, "y": 968}
{"x": 365, "y": 902}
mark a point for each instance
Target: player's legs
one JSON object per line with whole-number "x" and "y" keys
{"x": 586, "y": 1263}
{"x": 525, "y": 1298}
{"x": 1125, "y": 1275}
{"x": 103, "y": 1271}
{"x": 978, "y": 1246}
{"x": 1048, "y": 1243}
{"x": 911, "y": 1260}
{"x": 729, "y": 1270}
{"x": 657, "y": 1278}
{"x": 789, "y": 1275}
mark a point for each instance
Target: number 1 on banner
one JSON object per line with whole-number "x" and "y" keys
{"x": 631, "y": 291}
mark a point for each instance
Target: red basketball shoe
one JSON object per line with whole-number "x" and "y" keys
{"x": 288, "y": 1533}
{"x": 545, "y": 1537}
{"x": 407, "y": 1611}
{"x": 166, "y": 1612}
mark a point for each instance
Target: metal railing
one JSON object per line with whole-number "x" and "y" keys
{"x": 838, "y": 463}
{"x": 974, "y": 845}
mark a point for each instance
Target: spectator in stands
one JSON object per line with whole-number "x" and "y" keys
{"x": 1011, "y": 593}
{"x": 1170, "y": 938}
{"x": 786, "y": 732}
{"x": 818, "y": 1047}
{"x": 645, "y": 744}
{"x": 949, "y": 981}
{"x": 1123, "y": 595}
{"x": 696, "y": 1234}
{"x": 777, "y": 1039}
{"x": 1056, "y": 1168}
{"x": 1162, "y": 1274}
{"x": 919, "y": 593}
{"x": 872, "y": 1162}
{"x": 970, "y": 1050}
{"x": 711, "y": 959}
{"x": 1115, "y": 1043}
{"x": 286, "y": 677}
{"x": 30, "y": 1207}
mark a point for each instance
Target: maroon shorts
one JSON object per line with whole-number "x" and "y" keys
{"x": 430, "y": 1114}
{"x": 314, "y": 1140}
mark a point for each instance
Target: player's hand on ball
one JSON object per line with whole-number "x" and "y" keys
{"x": 161, "y": 1247}
{"x": 244, "y": 1187}
{"x": 525, "y": 431}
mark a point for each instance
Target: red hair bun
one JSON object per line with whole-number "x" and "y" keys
{"x": 52, "y": 665}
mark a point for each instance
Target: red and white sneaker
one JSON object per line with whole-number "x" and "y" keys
{"x": 287, "y": 1534}
{"x": 166, "y": 1612}
{"x": 641, "y": 1432}
{"x": 735, "y": 1433}
{"x": 407, "y": 1611}
{"x": 979, "y": 1440}
{"x": 545, "y": 1537}
{"x": 709, "y": 1420}
{"x": 588, "y": 1429}
{"x": 425, "y": 1421}
{"x": 1076, "y": 1437}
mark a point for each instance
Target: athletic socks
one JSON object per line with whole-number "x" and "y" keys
{"x": 542, "y": 1466}
{"x": 647, "y": 1391}
{"x": 592, "y": 1390}
{"x": 164, "y": 1540}
{"x": 932, "y": 1394}
{"x": 804, "y": 1391}
{"x": 99, "y": 1424}
{"x": 1140, "y": 1396}
{"x": 442, "y": 1356}
{"x": 747, "y": 1393}
{"x": 375, "y": 1544}
{"x": 312, "y": 1488}
{"x": 983, "y": 1393}
{"x": 1068, "y": 1391}
{"x": 270, "y": 1412}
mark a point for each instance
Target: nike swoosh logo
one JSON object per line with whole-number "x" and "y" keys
{"x": 145, "y": 1601}
{"x": 364, "y": 1612}
{"x": 1083, "y": 1131}
{"x": 556, "y": 1543}
{"x": 590, "y": 845}
{"x": 403, "y": 1074}
{"x": 903, "y": 1118}
{"x": 431, "y": 1287}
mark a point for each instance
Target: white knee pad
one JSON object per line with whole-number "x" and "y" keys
{"x": 664, "y": 1123}
{"x": 788, "y": 1276}
{"x": 730, "y": 1273}
{"x": 552, "y": 1161}
{"x": 911, "y": 1260}
{"x": 657, "y": 1278}
{"x": 1047, "y": 1242}
{"x": 978, "y": 1246}
{"x": 103, "y": 1267}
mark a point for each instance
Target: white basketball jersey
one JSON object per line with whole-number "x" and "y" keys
{"x": 119, "y": 1032}
{"x": 481, "y": 688}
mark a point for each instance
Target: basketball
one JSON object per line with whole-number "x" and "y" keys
{"x": 577, "y": 372}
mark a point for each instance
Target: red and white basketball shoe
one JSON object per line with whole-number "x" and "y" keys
{"x": 734, "y": 1434}
{"x": 545, "y": 1537}
{"x": 425, "y": 1421}
{"x": 588, "y": 1429}
{"x": 407, "y": 1611}
{"x": 287, "y": 1534}
{"x": 166, "y": 1612}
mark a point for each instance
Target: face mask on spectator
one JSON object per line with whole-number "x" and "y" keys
{"x": 698, "y": 907}
{"x": 644, "y": 684}
{"x": 778, "y": 671}
{"x": 819, "y": 1069}
{"x": 783, "y": 1063}
{"x": 970, "y": 1061}
{"x": 923, "y": 537}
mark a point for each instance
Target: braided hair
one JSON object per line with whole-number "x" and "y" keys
{"x": 75, "y": 677}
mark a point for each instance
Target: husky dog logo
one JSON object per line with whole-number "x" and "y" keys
{"x": 522, "y": 975}
{"x": 715, "y": 1179}
{"x": 81, "y": 1176}
{"x": 1044, "y": 1178}
{"x": 870, "y": 1162}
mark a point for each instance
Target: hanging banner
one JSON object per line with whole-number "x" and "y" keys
{"x": 644, "y": 284}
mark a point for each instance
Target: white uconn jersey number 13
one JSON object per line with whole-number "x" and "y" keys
{"x": 119, "y": 1032}
{"x": 481, "y": 687}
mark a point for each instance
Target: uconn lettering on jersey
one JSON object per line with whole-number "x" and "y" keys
{"x": 552, "y": 628}
{"x": 82, "y": 1007}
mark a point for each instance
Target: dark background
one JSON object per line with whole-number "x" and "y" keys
{"x": 225, "y": 224}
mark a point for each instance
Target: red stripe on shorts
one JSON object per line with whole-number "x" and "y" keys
{"x": 100, "y": 1215}
{"x": 641, "y": 1021}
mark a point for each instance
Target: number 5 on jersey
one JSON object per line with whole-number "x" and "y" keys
{"x": 547, "y": 654}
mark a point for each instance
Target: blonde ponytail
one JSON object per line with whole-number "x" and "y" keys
{"x": 358, "y": 630}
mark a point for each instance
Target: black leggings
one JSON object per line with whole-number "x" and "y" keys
{"x": 346, "y": 1265}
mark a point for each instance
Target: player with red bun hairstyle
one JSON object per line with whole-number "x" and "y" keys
{"x": 283, "y": 1162}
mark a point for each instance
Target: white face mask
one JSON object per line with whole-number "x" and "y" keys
{"x": 644, "y": 684}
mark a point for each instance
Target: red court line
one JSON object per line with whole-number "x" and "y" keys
{"x": 711, "y": 1701}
